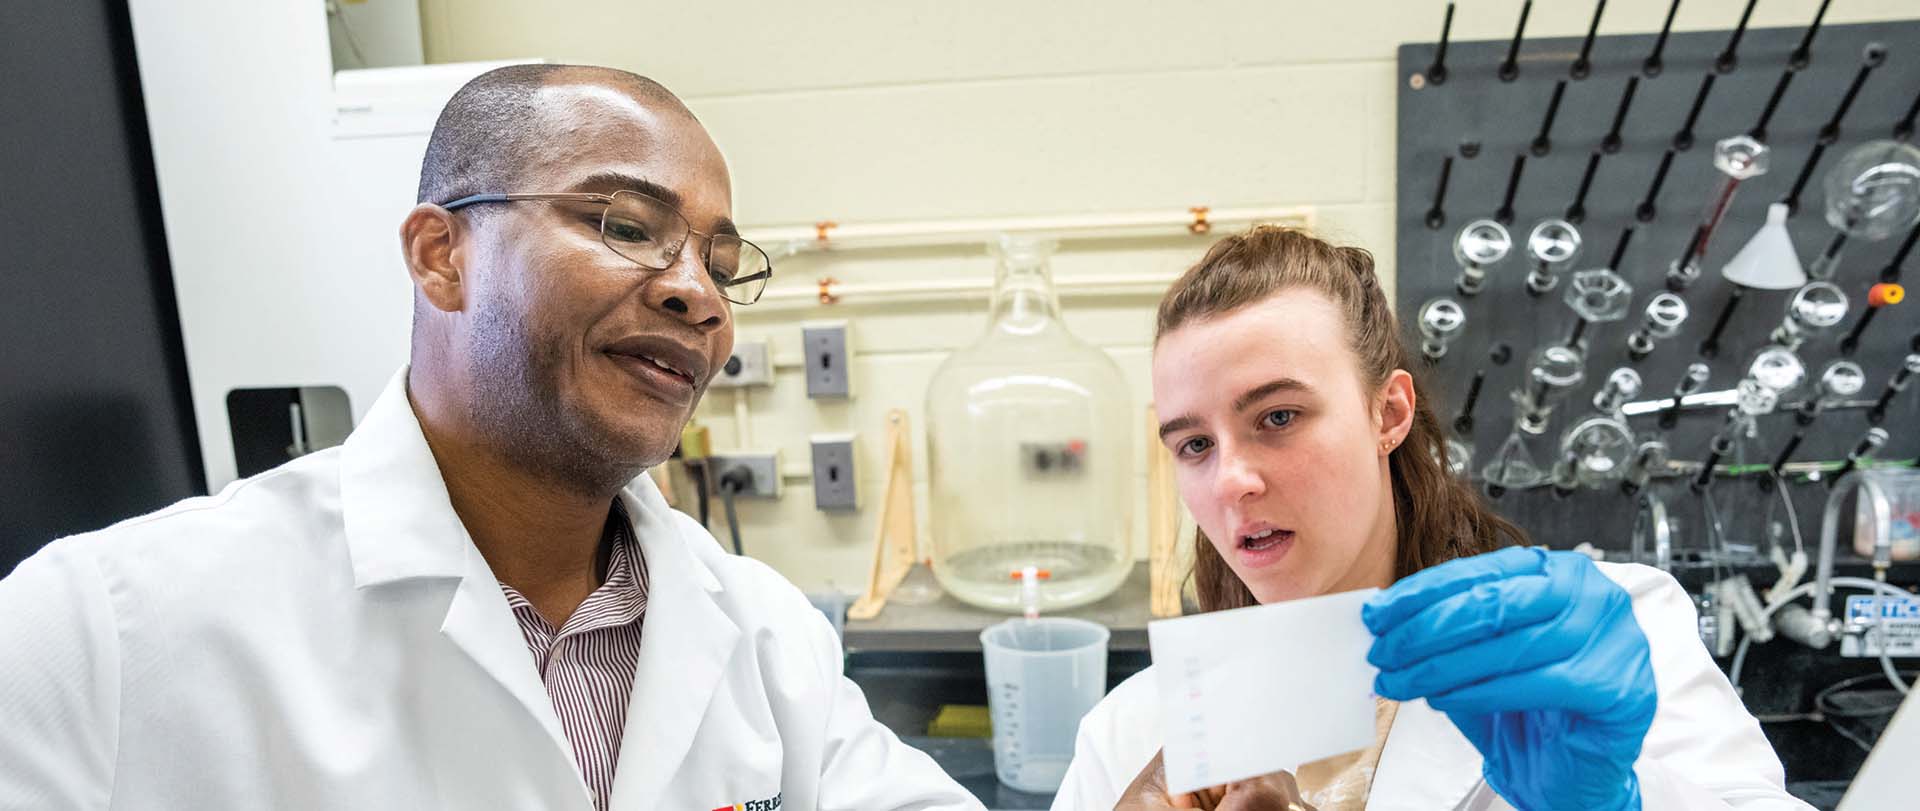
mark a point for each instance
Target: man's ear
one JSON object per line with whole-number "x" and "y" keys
{"x": 437, "y": 264}
{"x": 1396, "y": 408}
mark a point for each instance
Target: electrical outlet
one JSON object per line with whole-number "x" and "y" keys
{"x": 751, "y": 364}
{"x": 833, "y": 476}
{"x": 762, "y": 469}
{"x": 828, "y": 369}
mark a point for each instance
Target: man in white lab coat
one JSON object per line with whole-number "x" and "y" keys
{"x": 477, "y": 601}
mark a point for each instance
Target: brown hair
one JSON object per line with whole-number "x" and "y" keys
{"x": 1438, "y": 515}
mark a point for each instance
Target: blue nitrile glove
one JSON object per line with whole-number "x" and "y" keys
{"x": 1536, "y": 657}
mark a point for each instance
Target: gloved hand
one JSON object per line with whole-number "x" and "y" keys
{"x": 1536, "y": 657}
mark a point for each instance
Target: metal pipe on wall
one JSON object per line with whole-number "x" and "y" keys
{"x": 828, "y": 235}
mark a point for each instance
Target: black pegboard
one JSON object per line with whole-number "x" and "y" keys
{"x": 1504, "y": 118}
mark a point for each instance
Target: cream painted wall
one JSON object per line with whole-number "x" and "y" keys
{"x": 877, "y": 111}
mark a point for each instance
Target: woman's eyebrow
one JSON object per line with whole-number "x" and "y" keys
{"x": 1257, "y": 393}
{"x": 1181, "y": 423}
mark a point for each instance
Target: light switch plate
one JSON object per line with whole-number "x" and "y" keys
{"x": 835, "y": 486}
{"x": 828, "y": 362}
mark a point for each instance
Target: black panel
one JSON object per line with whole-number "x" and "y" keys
{"x": 1781, "y": 677}
{"x": 94, "y": 412}
{"x": 1505, "y": 117}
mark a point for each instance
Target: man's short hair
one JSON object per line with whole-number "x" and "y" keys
{"x": 481, "y": 139}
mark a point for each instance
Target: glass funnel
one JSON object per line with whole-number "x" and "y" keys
{"x": 1029, "y": 453}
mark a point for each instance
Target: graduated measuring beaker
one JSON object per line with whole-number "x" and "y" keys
{"x": 1888, "y": 509}
{"x": 1042, "y": 676}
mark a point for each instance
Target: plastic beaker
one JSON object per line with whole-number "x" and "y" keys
{"x": 1042, "y": 676}
{"x": 1889, "y": 509}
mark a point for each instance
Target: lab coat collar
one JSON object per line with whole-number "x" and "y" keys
{"x": 1427, "y": 764}
{"x": 398, "y": 519}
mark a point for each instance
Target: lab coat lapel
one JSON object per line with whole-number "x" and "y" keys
{"x": 1426, "y": 765}
{"x": 685, "y": 644}
{"x": 400, "y": 525}
{"x": 481, "y": 624}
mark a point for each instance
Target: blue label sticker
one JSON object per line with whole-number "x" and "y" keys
{"x": 1861, "y": 608}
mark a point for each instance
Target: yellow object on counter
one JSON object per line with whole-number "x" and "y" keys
{"x": 961, "y": 721}
{"x": 695, "y": 443}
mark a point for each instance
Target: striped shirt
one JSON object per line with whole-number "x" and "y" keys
{"x": 588, "y": 664}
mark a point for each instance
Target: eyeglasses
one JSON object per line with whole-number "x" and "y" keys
{"x": 650, "y": 233}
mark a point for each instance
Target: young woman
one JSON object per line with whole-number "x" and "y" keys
{"x": 1510, "y": 677}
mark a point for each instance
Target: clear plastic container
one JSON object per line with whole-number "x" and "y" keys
{"x": 1898, "y": 489}
{"x": 1043, "y": 675}
{"x": 1029, "y": 452}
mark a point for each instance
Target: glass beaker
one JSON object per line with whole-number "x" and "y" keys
{"x": 1042, "y": 676}
{"x": 1030, "y": 455}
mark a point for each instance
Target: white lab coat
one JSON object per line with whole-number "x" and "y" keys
{"x": 1703, "y": 752}
{"x": 325, "y": 635}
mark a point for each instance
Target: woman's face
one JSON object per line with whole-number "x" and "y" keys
{"x": 1280, "y": 447}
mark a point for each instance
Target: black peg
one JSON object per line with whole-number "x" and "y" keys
{"x": 1711, "y": 346}
{"x": 1849, "y": 465}
{"x": 1620, "y": 249}
{"x": 1510, "y": 69}
{"x": 1504, "y": 215}
{"x": 1582, "y": 66}
{"x": 1463, "y": 424}
{"x": 1716, "y": 448}
{"x": 1802, "y": 419}
{"x": 1728, "y": 58}
{"x": 1786, "y": 453}
{"x": 1579, "y": 331}
{"x": 1652, "y": 65}
{"x": 1865, "y": 448}
{"x": 1683, "y": 140}
{"x": 1437, "y": 215}
{"x": 1437, "y": 72}
{"x": 1500, "y": 353}
{"x": 1578, "y": 211}
{"x": 1852, "y": 341}
{"x": 1830, "y": 255}
{"x": 1646, "y": 210}
{"x": 1611, "y": 143}
{"x": 1678, "y": 285}
{"x": 1759, "y": 131}
{"x": 1800, "y": 181}
{"x": 1803, "y": 53}
{"x": 1542, "y": 144}
{"x": 1670, "y": 416}
{"x": 1891, "y": 273}
{"x": 1904, "y": 130}
{"x": 1873, "y": 56}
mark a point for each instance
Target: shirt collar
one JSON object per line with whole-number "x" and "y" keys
{"x": 621, "y": 599}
